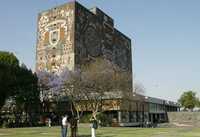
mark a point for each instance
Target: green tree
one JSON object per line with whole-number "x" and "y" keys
{"x": 8, "y": 68}
{"x": 26, "y": 94}
{"x": 8, "y": 59}
{"x": 198, "y": 102}
{"x": 188, "y": 100}
{"x": 19, "y": 84}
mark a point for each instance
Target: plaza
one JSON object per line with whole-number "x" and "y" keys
{"x": 84, "y": 131}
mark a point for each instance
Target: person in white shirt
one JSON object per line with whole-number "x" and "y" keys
{"x": 93, "y": 125}
{"x": 64, "y": 126}
{"x": 49, "y": 122}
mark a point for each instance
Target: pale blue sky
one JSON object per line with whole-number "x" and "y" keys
{"x": 165, "y": 35}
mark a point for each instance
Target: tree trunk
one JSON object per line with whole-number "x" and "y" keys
{"x": 73, "y": 122}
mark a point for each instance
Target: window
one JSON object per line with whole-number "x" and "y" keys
{"x": 53, "y": 64}
{"x": 54, "y": 36}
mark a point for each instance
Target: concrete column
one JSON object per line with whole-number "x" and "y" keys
{"x": 128, "y": 116}
{"x": 152, "y": 118}
{"x": 119, "y": 116}
{"x": 158, "y": 118}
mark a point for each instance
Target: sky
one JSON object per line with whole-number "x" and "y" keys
{"x": 165, "y": 38}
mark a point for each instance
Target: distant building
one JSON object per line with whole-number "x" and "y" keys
{"x": 70, "y": 34}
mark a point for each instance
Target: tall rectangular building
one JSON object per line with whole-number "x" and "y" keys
{"x": 69, "y": 34}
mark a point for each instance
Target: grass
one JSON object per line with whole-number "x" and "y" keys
{"x": 84, "y": 131}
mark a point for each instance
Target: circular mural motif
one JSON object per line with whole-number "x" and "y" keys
{"x": 92, "y": 42}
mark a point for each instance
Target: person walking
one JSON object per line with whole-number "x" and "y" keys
{"x": 94, "y": 125}
{"x": 64, "y": 126}
{"x": 49, "y": 122}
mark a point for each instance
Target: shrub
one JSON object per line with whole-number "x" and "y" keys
{"x": 85, "y": 118}
{"x": 104, "y": 120}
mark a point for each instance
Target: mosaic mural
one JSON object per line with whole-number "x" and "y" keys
{"x": 55, "y": 39}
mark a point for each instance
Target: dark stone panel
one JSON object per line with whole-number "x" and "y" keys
{"x": 95, "y": 36}
{"x": 122, "y": 51}
{"x": 102, "y": 16}
{"x": 88, "y": 34}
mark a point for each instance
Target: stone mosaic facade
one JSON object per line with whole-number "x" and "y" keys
{"x": 55, "y": 39}
{"x": 70, "y": 34}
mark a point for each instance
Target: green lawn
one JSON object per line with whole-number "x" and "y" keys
{"x": 104, "y": 132}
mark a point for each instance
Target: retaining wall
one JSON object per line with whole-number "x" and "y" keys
{"x": 184, "y": 119}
